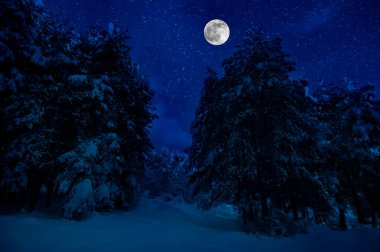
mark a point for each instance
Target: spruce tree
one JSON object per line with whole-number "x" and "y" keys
{"x": 75, "y": 114}
{"x": 248, "y": 136}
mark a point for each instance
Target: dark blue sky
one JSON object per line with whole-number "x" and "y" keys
{"x": 327, "y": 39}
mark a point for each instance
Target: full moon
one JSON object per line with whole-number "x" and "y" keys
{"x": 216, "y": 32}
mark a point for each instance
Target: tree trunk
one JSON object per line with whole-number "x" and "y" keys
{"x": 358, "y": 209}
{"x": 49, "y": 193}
{"x": 342, "y": 219}
{"x": 56, "y": 189}
{"x": 264, "y": 206}
{"x": 34, "y": 197}
{"x": 244, "y": 219}
{"x": 21, "y": 199}
{"x": 304, "y": 213}
{"x": 34, "y": 188}
{"x": 374, "y": 218}
{"x": 11, "y": 197}
{"x": 247, "y": 217}
{"x": 294, "y": 207}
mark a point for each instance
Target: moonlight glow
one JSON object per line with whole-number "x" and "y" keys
{"x": 216, "y": 32}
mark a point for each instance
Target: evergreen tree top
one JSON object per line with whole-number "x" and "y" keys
{"x": 259, "y": 58}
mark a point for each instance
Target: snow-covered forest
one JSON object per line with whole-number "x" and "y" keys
{"x": 75, "y": 115}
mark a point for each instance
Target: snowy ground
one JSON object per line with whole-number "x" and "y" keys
{"x": 163, "y": 226}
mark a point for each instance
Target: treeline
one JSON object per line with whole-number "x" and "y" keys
{"x": 280, "y": 155}
{"x": 74, "y": 114}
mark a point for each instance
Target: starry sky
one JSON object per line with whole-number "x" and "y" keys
{"x": 328, "y": 40}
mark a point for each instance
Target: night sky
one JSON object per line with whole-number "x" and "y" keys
{"x": 328, "y": 40}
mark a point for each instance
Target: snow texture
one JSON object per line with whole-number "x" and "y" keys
{"x": 167, "y": 226}
{"x": 39, "y": 3}
{"x": 80, "y": 201}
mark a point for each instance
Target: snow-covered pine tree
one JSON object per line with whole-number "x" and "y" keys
{"x": 114, "y": 102}
{"x": 250, "y": 139}
{"x": 75, "y": 112}
{"x": 352, "y": 127}
{"x": 29, "y": 90}
{"x": 207, "y": 132}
